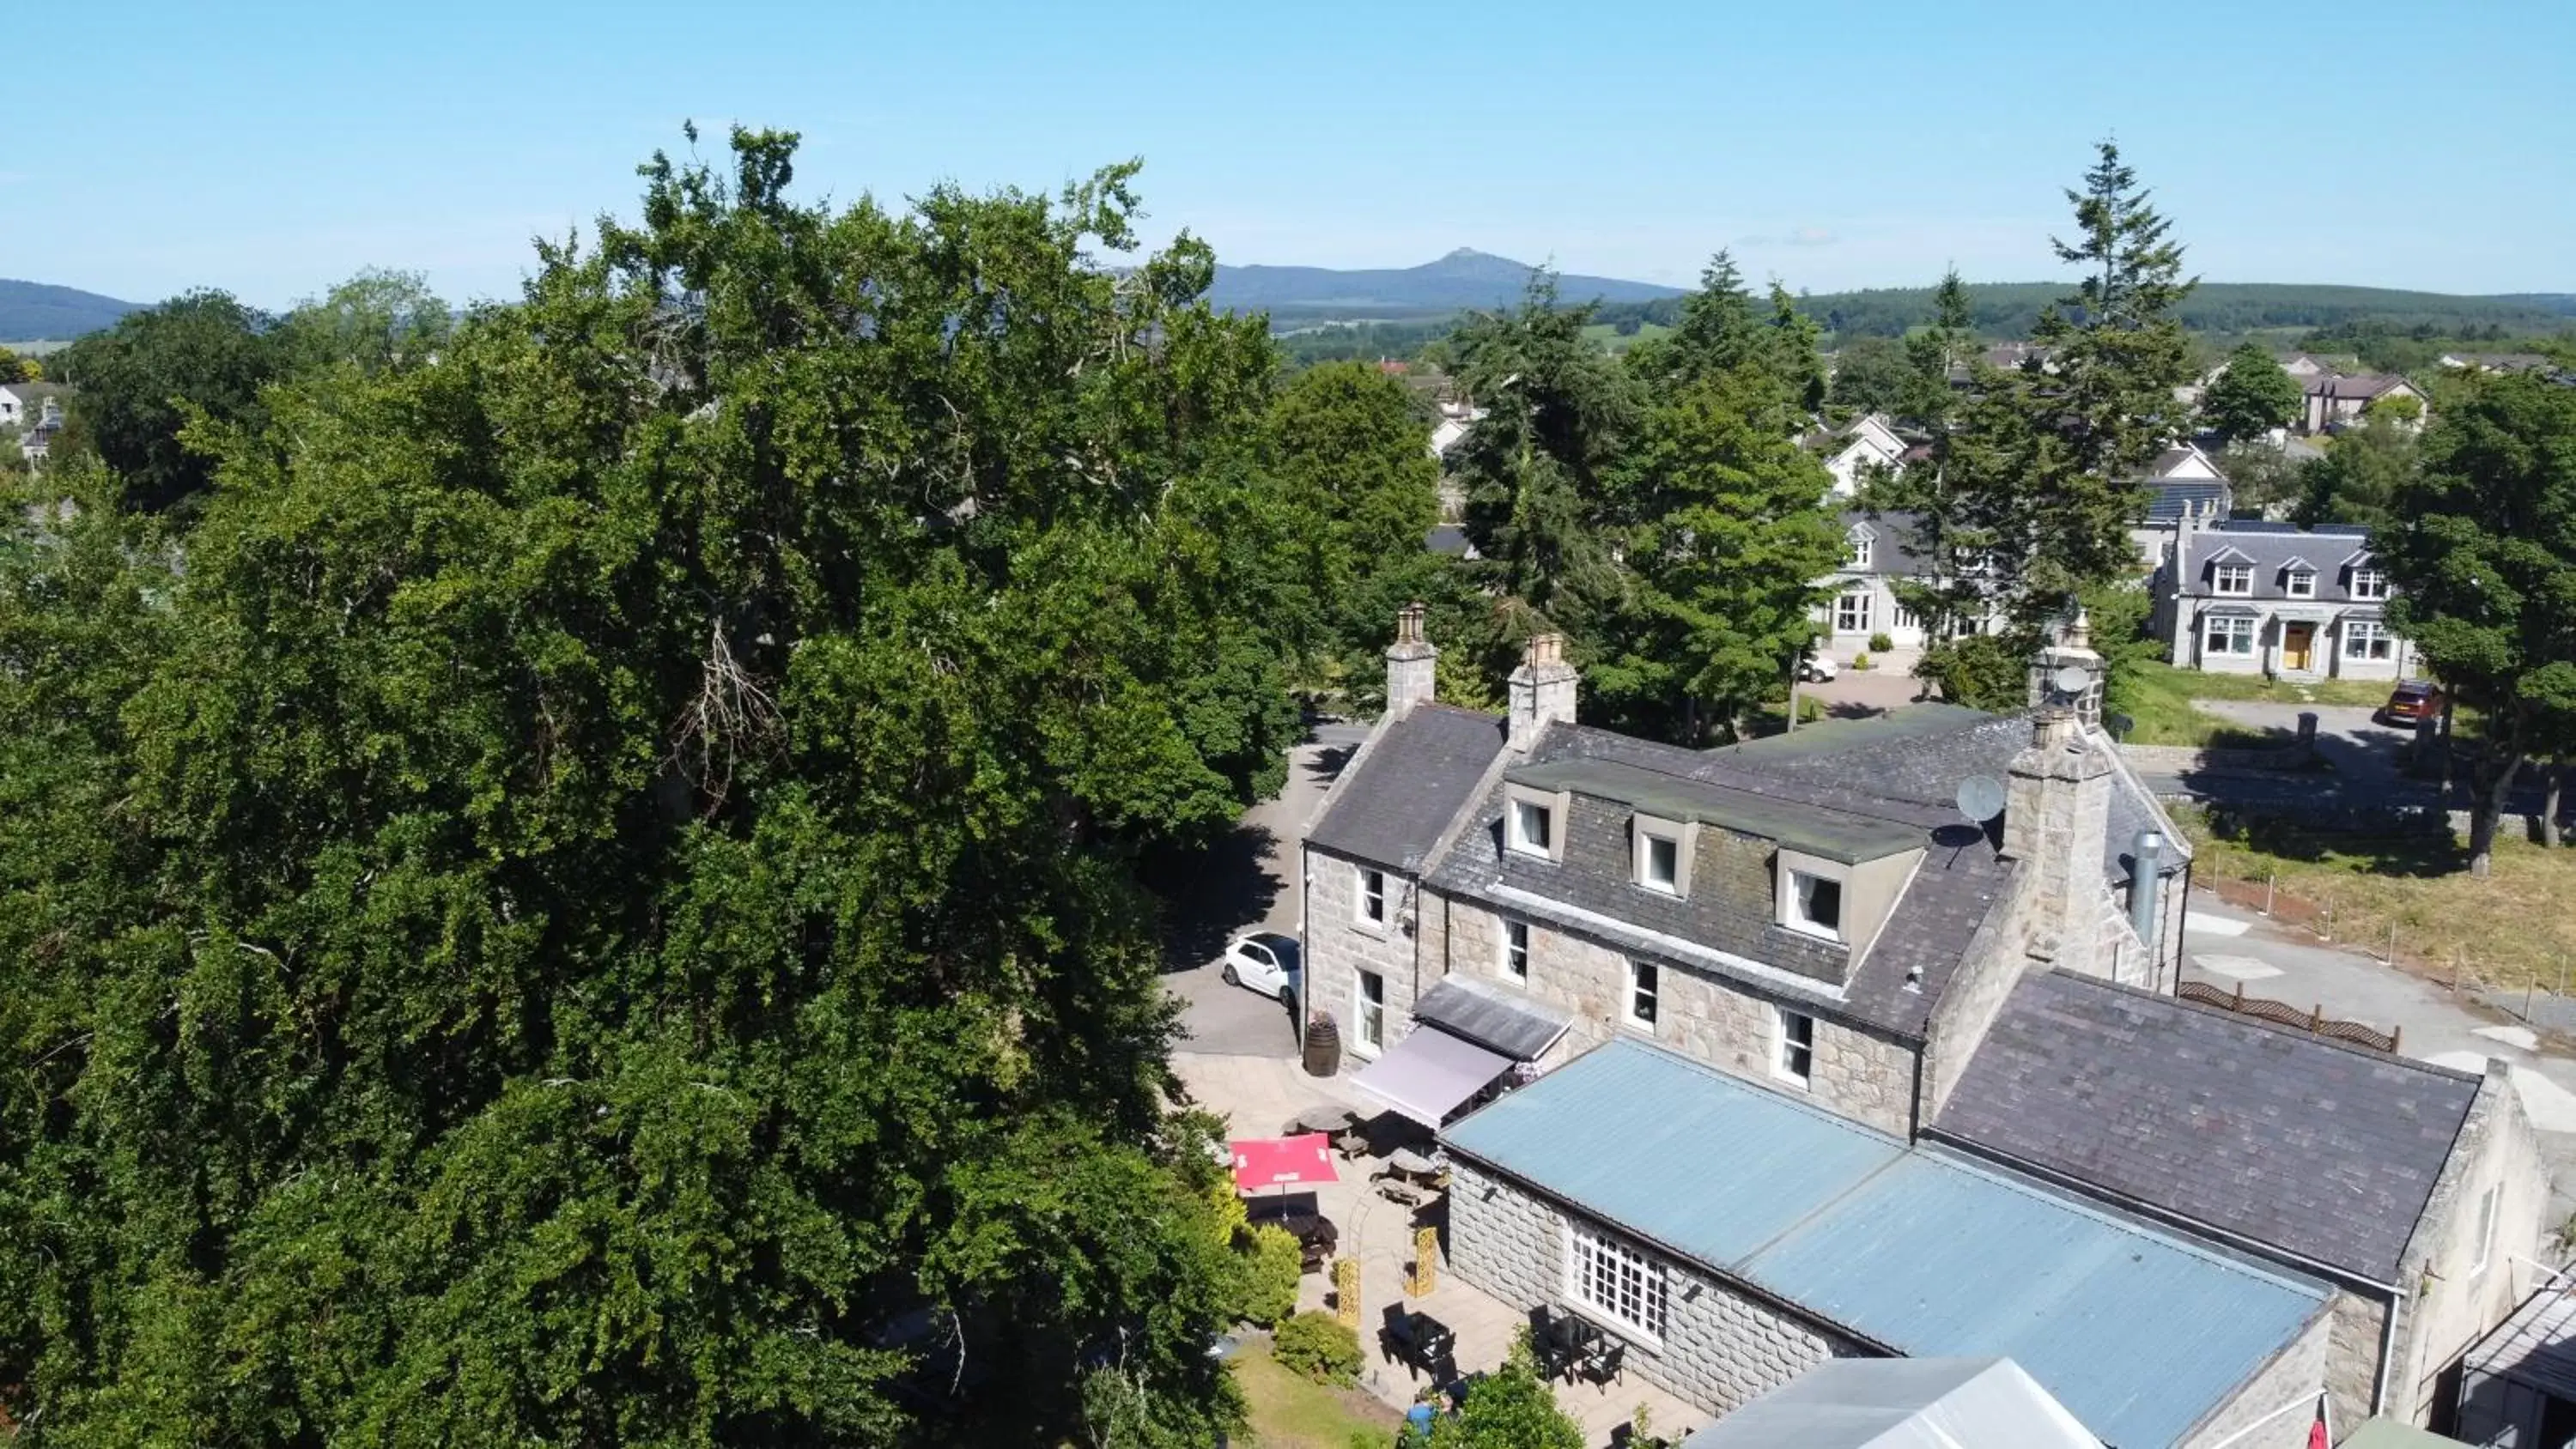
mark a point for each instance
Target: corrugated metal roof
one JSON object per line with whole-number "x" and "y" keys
{"x": 2138, "y": 1332}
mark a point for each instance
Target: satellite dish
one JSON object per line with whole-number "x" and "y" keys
{"x": 1981, "y": 798}
{"x": 2074, "y": 679}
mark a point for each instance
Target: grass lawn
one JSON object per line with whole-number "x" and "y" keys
{"x": 1290, "y": 1413}
{"x": 2511, "y": 929}
{"x": 1608, "y": 336}
{"x": 2158, "y": 697}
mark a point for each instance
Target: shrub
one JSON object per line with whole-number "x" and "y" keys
{"x": 1270, "y": 1273}
{"x": 1860, "y": 661}
{"x": 1318, "y": 1346}
{"x": 1881, "y": 643}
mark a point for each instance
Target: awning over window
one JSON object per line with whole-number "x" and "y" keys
{"x": 1426, "y": 1075}
{"x": 1492, "y": 1018}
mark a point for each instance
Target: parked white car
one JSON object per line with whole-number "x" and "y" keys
{"x": 1817, "y": 668}
{"x": 1264, "y": 961}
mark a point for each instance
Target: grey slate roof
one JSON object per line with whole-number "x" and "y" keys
{"x": 2170, "y": 500}
{"x": 1514, "y": 1025}
{"x": 2271, "y": 547}
{"x": 1833, "y": 834}
{"x": 1590, "y": 894}
{"x": 1894, "y": 551}
{"x": 1391, "y": 809}
{"x": 2320, "y": 1149}
{"x": 1921, "y": 752}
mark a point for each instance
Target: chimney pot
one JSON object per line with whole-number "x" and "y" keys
{"x": 1412, "y": 664}
{"x": 1542, "y": 690}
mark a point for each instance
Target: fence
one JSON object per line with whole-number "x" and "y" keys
{"x": 2281, "y": 1013}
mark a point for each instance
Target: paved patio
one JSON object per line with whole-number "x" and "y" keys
{"x": 1258, "y": 1096}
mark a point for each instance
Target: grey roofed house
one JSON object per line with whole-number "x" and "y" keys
{"x": 1902, "y": 1403}
{"x": 1895, "y": 550}
{"x": 2276, "y": 550}
{"x": 1409, "y": 786}
{"x": 1919, "y": 754}
{"x": 1896, "y": 983}
{"x": 2326, "y": 1151}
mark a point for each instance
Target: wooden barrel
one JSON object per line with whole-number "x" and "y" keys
{"x": 1323, "y": 1047}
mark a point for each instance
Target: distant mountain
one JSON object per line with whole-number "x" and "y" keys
{"x": 1464, "y": 278}
{"x": 35, "y": 312}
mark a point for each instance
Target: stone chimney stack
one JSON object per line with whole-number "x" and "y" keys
{"x": 2073, "y": 650}
{"x": 1542, "y": 689}
{"x": 1411, "y": 665}
{"x": 2057, "y": 816}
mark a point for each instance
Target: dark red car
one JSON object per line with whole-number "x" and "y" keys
{"x": 2411, "y": 702}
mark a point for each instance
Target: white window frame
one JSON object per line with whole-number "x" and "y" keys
{"x": 1644, "y": 832}
{"x": 1852, "y": 611}
{"x": 2300, "y": 584}
{"x": 2487, "y": 1209}
{"x": 2368, "y": 639}
{"x": 1794, "y": 913}
{"x": 1551, "y": 808}
{"x": 2236, "y": 628}
{"x": 1646, "y": 985}
{"x": 1515, "y": 951}
{"x": 2232, "y": 580}
{"x": 1793, "y": 1060}
{"x": 1863, "y": 545}
{"x": 1596, "y": 1258}
{"x": 1368, "y": 896}
{"x": 2369, "y": 583}
{"x": 1368, "y": 1018}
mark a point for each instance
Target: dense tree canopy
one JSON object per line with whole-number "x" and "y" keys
{"x": 2482, "y": 550}
{"x": 2253, "y": 396}
{"x": 139, "y": 383}
{"x": 599, "y": 904}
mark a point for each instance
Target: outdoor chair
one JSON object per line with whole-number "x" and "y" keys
{"x": 1606, "y": 1363}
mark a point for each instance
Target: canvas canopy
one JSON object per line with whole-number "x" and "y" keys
{"x": 1261, "y": 1162}
{"x": 1426, "y": 1075}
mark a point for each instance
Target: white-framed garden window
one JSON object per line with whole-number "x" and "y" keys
{"x": 2366, "y": 639}
{"x": 1616, "y": 1283}
{"x": 1368, "y": 1014}
{"x": 1368, "y": 898}
{"x": 2228, "y": 634}
{"x": 1516, "y": 950}
{"x": 1852, "y": 612}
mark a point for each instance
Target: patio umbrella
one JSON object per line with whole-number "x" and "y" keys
{"x": 1261, "y": 1162}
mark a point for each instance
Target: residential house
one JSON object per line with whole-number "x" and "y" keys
{"x": 1451, "y": 429}
{"x": 1854, "y": 452}
{"x": 1718, "y": 1008}
{"x": 2251, "y": 596}
{"x": 23, "y": 403}
{"x": 2304, "y": 366}
{"x": 2496, "y": 361}
{"x": 2336, "y": 401}
{"x": 2184, "y": 483}
{"x": 36, "y": 443}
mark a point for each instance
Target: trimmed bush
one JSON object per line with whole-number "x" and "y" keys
{"x": 1318, "y": 1346}
{"x": 1860, "y": 661}
{"x": 1270, "y": 1273}
{"x": 1881, "y": 643}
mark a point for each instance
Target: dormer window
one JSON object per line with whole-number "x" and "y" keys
{"x": 1811, "y": 902}
{"x": 1534, "y": 822}
{"x": 1862, "y": 545}
{"x": 2368, "y": 583}
{"x": 1663, "y": 853}
{"x": 2300, "y": 584}
{"x": 2232, "y": 579}
{"x": 1533, "y": 827}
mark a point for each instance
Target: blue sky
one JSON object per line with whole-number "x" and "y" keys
{"x": 274, "y": 149}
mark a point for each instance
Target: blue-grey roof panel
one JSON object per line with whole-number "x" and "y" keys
{"x": 1637, "y": 1136}
{"x": 1944, "y": 1258}
{"x": 2138, "y": 1332}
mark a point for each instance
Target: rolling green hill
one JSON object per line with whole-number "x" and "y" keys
{"x": 37, "y": 311}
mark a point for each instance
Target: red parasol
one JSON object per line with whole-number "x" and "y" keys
{"x": 1261, "y": 1162}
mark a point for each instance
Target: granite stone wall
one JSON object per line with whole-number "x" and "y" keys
{"x": 1339, "y": 946}
{"x": 1722, "y": 1345}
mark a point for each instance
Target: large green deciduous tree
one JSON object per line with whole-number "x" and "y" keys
{"x": 599, "y": 906}
{"x": 2360, "y": 478}
{"x": 137, "y": 384}
{"x": 2252, "y": 397}
{"x": 2482, "y": 552}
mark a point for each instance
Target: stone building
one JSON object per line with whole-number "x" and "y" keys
{"x": 1674, "y": 1011}
{"x": 2250, "y": 596}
